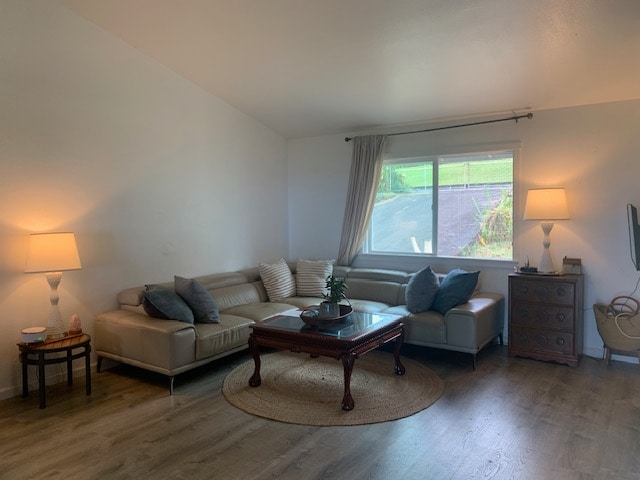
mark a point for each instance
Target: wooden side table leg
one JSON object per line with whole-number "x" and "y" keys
{"x": 69, "y": 368}
{"x": 347, "y": 400}
{"x": 87, "y": 352}
{"x": 41, "y": 382}
{"x": 25, "y": 374}
{"x": 255, "y": 379}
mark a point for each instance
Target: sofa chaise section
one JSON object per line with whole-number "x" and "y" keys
{"x": 168, "y": 347}
{"x": 466, "y": 328}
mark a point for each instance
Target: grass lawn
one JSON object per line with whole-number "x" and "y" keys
{"x": 477, "y": 172}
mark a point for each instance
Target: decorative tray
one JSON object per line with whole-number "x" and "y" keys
{"x": 543, "y": 274}
{"x": 311, "y": 316}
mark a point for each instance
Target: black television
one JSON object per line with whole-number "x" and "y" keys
{"x": 634, "y": 235}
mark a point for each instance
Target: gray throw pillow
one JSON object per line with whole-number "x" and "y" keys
{"x": 421, "y": 290}
{"x": 456, "y": 288}
{"x": 160, "y": 302}
{"x": 203, "y": 305}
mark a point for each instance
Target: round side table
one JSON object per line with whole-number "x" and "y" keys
{"x": 36, "y": 354}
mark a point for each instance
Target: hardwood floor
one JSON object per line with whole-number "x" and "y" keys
{"x": 511, "y": 418}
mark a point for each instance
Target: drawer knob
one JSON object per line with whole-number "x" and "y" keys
{"x": 561, "y": 292}
{"x": 560, "y": 342}
{"x": 523, "y": 338}
{"x": 524, "y": 313}
{"x": 560, "y": 317}
{"x": 524, "y": 289}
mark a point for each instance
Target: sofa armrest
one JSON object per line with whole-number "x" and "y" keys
{"x": 472, "y": 325}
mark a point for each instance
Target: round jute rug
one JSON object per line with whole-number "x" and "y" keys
{"x": 308, "y": 391}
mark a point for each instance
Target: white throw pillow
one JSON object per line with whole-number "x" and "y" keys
{"x": 311, "y": 277}
{"x": 278, "y": 280}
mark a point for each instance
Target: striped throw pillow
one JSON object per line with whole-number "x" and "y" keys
{"x": 278, "y": 280}
{"x": 311, "y": 277}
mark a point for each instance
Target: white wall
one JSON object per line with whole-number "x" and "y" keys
{"x": 592, "y": 151}
{"x": 318, "y": 178}
{"x": 154, "y": 175}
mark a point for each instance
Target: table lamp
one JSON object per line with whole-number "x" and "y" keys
{"x": 51, "y": 254}
{"x": 546, "y": 204}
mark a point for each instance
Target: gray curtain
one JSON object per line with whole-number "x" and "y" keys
{"x": 366, "y": 167}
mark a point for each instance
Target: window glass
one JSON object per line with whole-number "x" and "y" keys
{"x": 449, "y": 205}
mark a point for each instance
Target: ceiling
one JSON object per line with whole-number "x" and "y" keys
{"x": 313, "y": 67}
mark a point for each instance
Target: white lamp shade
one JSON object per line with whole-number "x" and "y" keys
{"x": 52, "y": 252}
{"x": 546, "y": 204}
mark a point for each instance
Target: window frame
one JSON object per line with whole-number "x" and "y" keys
{"x": 391, "y": 159}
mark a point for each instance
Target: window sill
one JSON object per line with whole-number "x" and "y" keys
{"x": 412, "y": 262}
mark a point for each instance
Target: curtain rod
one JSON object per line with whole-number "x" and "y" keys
{"x": 515, "y": 117}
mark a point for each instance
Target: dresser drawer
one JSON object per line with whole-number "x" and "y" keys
{"x": 531, "y": 290}
{"x": 523, "y": 340}
{"x": 543, "y": 316}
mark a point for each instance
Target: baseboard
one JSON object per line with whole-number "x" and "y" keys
{"x": 599, "y": 354}
{"x": 56, "y": 375}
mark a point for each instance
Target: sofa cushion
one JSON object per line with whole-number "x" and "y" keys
{"x": 456, "y": 288}
{"x": 311, "y": 277}
{"x": 131, "y": 296}
{"x": 421, "y": 290}
{"x": 202, "y": 304}
{"x": 278, "y": 280}
{"x": 161, "y": 302}
{"x": 220, "y": 280}
{"x": 374, "y": 290}
{"x": 234, "y": 295}
{"x": 379, "y": 274}
{"x": 214, "y": 339}
{"x": 368, "y": 306}
{"x": 259, "y": 311}
{"x": 302, "y": 302}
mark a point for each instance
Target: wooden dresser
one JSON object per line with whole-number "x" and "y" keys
{"x": 545, "y": 317}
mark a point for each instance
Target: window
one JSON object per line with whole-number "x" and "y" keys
{"x": 448, "y": 205}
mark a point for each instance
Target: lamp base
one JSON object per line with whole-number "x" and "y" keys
{"x": 546, "y": 262}
{"x": 55, "y": 327}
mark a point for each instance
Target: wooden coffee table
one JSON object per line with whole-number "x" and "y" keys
{"x": 360, "y": 333}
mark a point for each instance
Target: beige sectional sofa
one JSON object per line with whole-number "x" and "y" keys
{"x": 171, "y": 347}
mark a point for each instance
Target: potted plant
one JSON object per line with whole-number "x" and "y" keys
{"x": 330, "y": 308}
